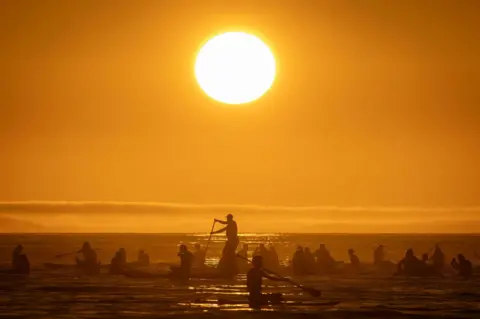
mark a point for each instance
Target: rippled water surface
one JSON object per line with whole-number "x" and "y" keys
{"x": 62, "y": 293}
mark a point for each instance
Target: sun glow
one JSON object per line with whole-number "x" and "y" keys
{"x": 235, "y": 68}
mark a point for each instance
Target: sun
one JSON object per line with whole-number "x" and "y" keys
{"x": 235, "y": 68}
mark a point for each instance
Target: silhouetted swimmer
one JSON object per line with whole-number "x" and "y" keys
{"x": 379, "y": 255}
{"x": 199, "y": 256}
{"x": 20, "y": 262}
{"x": 143, "y": 258}
{"x": 254, "y": 285}
{"x": 228, "y": 262}
{"x": 89, "y": 256}
{"x": 354, "y": 260}
{"x": 309, "y": 261}
{"x": 462, "y": 266}
{"x": 299, "y": 262}
{"x": 438, "y": 258}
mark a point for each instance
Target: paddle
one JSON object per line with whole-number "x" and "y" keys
{"x": 210, "y": 237}
{"x": 311, "y": 291}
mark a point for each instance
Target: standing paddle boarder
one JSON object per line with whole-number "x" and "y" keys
{"x": 227, "y": 264}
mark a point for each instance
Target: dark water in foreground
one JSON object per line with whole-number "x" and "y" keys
{"x": 63, "y": 294}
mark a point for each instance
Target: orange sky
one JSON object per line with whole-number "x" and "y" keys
{"x": 375, "y": 104}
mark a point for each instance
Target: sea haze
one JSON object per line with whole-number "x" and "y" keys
{"x": 55, "y": 217}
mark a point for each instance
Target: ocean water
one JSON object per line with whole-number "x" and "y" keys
{"x": 64, "y": 294}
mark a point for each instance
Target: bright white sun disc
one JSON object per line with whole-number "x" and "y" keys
{"x": 235, "y": 68}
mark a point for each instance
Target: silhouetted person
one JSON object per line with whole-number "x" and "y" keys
{"x": 116, "y": 264}
{"x": 438, "y": 258}
{"x": 379, "y": 255}
{"x": 309, "y": 261}
{"x": 123, "y": 255}
{"x": 186, "y": 262}
{"x": 244, "y": 251}
{"x": 228, "y": 263}
{"x": 16, "y": 254}
{"x": 20, "y": 262}
{"x": 299, "y": 262}
{"x": 89, "y": 256}
{"x": 261, "y": 250}
{"x": 462, "y": 266}
{"x": 254, "y": 284}
{"x": 411, "y": 265}
{"x": 199, "y": 256}
{"x": 273, "y": 262}
{"x": 242, "y": 263}
{"x": 354, "y": 260}
{"x": 425, "y": 258}
{"x": 143, "y": 258}
{"x": 324, "y": 260}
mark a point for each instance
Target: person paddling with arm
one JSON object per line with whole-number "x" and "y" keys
{"x": 227, "y": 264}
{"x": 254, "y": 285}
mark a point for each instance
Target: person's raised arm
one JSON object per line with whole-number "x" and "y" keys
{"x": 221, "y": 221}
{"x": 220, "y": 230}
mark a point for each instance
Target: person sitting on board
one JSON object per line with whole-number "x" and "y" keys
{"x": 261, "y": 250}
{"x": 20, "y": 262}
{"x": 199, "y": 256}
{"x": 299, "y": 263}
{"x": 438, "y": 258}
{"x": 354, "y": 260}
{"x": 309, "y": 261}
{"x": 410, "y": 265}
{"x": 254, "y": 285}
{"x": 89, "y": 256}
{"x": 16, "y": 254}
{"x": 325, "y": 261}
{"x": 143, "y": 258}
{"x": 273, "y": 262}
{"x": 425, "y": 258}
{"x": 242, "y": 263}
{"x": 462, "y": 266}
{"x": 186, "y": 262}
{"x": 123, "y": 255}
{"x": 379, "y": 255}
{"x": 116, "y": 264}
{"x": 228, "y": 262}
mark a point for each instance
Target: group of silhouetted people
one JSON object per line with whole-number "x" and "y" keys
{"x": 119, "y": 263}
{"x": 410, "y": 265}
{"x": 303, "y": 262}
